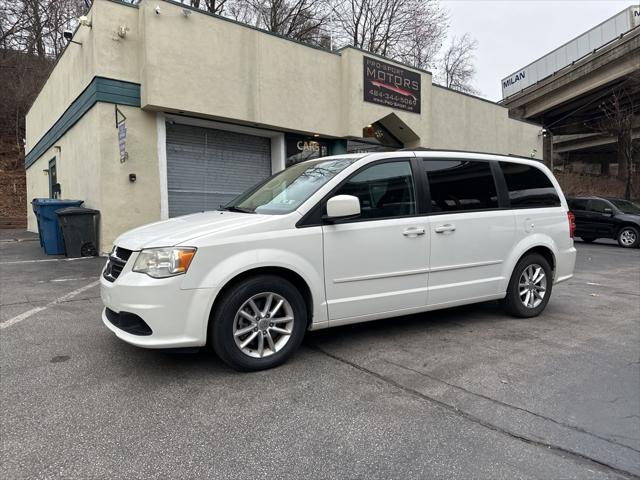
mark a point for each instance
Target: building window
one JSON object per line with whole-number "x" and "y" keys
{"x": 300, "y": 148}
{"x": 460, "y": 185}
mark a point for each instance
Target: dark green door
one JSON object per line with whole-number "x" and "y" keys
{"x": 53, "y": 179}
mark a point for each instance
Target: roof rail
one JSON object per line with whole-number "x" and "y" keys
{"x": 426, "y": 149}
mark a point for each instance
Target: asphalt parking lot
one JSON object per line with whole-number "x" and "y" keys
{"x": 462, "y": 393}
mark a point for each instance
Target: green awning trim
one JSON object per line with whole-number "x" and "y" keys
{"x": 100, "y": 89}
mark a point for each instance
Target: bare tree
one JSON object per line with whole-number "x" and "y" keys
{"x": 12, "y": 23}
{"x": 423, "y": 43}
{"x": 406, "y": 30}
{"x": 31, "y": 37}
{"x": 619, "y": 114}
{"x": 21, "y": 77}
{"x": 456, "y": 68}
{"x": 302, "y": 20}
{"x": 241, "y": 11}
{"x": 36, "y": 26}
{"x": 211, "y": 6}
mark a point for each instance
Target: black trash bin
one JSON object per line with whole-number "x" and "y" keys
{"x": 80, "y": 230}
{"x": 48, "y": 226}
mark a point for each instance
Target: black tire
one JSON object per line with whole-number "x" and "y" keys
{"x": 512, "y": 303}
{"x": 588, "y": 239}
{"x": 221, "y": 330}
{"x": 627, "y": 233}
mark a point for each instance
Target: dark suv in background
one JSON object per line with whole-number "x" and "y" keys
{"x": 603, "y": 217}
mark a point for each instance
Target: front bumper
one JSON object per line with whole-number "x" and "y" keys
{"x": 177, "y": 318}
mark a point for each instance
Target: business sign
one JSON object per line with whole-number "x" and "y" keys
{"x": 122, "y": 141}
{"x": 122, "y": 134}
{"x": 301, "y": 148}
{"x": 575, "y": 50}
{"x": 513, "y": 79}
{"x": 391, "y": 86}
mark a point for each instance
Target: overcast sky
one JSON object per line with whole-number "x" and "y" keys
{"x": 513, "y": 33}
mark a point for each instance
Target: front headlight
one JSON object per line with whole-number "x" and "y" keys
{"x": 164, "y": 262}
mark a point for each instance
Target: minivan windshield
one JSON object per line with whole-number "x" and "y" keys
{"x": 287, "y": 190}
{"x": 626, "y": 206}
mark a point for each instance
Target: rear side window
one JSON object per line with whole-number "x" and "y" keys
{"x": 528, "y": 186}
{"x": 578, "y": 203}
{"x": 460, "y": 185}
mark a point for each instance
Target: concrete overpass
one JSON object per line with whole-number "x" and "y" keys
{"x": 570, "y": 104}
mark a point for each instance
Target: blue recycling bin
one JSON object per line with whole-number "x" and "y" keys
{"x": 36, "y": 211}
{"x": 48, "y": 226}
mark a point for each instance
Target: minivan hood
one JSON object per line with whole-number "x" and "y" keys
{"x": 178, "y": 230}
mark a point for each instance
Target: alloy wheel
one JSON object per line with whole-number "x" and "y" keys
{"x": 627, "y": 237}
{"x": 532, "y": 286}
{"x": 263, "y": 325}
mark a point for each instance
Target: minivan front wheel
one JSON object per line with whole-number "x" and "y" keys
{"x": 530, "y": 287}
{"x": 258, "y": 323}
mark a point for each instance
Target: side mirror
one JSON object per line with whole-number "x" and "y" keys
{"x": 342, "y": 206}
{"x": 607, "y": 211}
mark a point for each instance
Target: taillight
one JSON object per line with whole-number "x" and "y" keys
{"x": 572, "y": 223}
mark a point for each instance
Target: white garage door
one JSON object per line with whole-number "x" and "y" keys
{"x": 207, "y": 168}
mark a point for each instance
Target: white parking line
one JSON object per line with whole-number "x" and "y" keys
{"x": 46, "y": 260}
{"x": 14, "y": 240}
{"x": 33, "y": 311}
{"x": 57, "y": 280}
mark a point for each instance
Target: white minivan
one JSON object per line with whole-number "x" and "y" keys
{"x": 339, "y": 240}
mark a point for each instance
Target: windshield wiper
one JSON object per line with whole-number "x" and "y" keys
{"x": 233, "y": 208}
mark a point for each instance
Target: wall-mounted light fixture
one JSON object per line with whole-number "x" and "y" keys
{"x": 84, "y": 21}
{"x": 122, "y": 31}
{"x": 68, "y": 35}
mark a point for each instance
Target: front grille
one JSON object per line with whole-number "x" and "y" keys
{"x": 123, "y": 253}
{"x": 117, "y": 260}
{"x": 128, "y": 322}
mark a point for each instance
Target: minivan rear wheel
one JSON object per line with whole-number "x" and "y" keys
{"x": 530, "y": 287}
{"x": 258, "y": 323}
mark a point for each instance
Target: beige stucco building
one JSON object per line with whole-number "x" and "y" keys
{"x": 157, "y": 112}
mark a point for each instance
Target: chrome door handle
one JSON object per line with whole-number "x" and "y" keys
{"x": 445, "y": 228}
{"x": 413, "y": 232}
